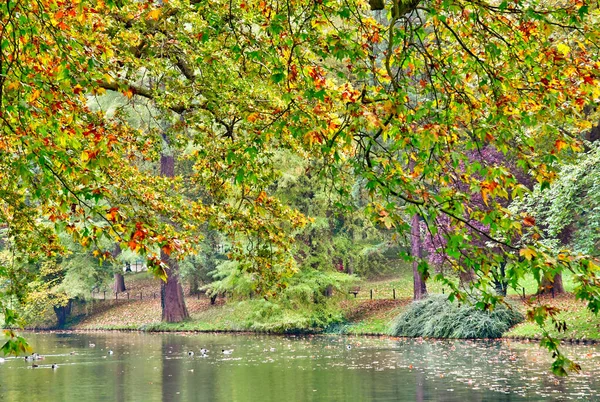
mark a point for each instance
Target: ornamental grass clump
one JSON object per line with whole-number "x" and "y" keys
{"x": 436, "y": 317}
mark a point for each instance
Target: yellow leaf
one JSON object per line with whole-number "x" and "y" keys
{"x": 154, "y": 14}
{"x": 564, "y": 49}
{"x": 85, "y": 156}
{"x": 527, "y": 253}
{"x": 484, "y": 195}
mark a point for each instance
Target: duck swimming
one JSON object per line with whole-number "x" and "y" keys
{"x": 227, "y": 351}
{"x": 54, "y": 366}
{"x": 190, "y": 353}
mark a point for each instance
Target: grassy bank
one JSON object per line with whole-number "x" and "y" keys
{"x": 346, "y": 314}
{"x": 581, "y": 323}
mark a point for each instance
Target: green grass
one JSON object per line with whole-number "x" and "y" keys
{"x": 383, "y": 288}
{"x": 378, "y": 324}
{"x": 581, "y": 323}
{"x": 531, "y": 286}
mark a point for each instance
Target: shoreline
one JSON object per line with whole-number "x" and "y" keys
{"x": 522, "y": 339}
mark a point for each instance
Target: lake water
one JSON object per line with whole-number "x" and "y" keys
{"x": 156, "y": 367}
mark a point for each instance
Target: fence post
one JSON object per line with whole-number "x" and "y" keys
{"x": 371, "y": 294}
{"x": 523, "y": 291}
{"x": 198, "y": 295}
{"x": 394, "y": 292}
{"x": 116, "y": 297}
{"x": 104, "y": 298}
{"x": 140, "y": 295}
{"x": 127, "y": 295}
{"x": 154, "y": 295}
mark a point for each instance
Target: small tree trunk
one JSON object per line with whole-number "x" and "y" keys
{"x": 119, "y": 285}
{"x": 194, "y": 285}
{"x": 62, "y": 313}
{"x": 555, "y": 286}
{"x": 420, "y": 288}
{"x": 500, "y": 282}
{"x": 350, "y": 266}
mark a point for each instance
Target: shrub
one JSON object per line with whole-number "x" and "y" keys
{"x": 436, "y": 317}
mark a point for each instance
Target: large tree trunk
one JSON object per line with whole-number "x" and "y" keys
{"x": 420, "y": 288}
{"x": 171, "y": 292}
{"x": 554, "y": 287}
{"x": 119, "y": 285}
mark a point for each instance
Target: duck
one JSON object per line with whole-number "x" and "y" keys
{"x": 54, "y": 366}
{"x": 92, "y": 345}
{"x": 348, "y": 347}
{"x": 190, "y": 353}
{"x": 110, "y": 352}
{"x": 34, "y": 366}
{"x": 204, "y": 351}
{"x": 29, "y": 358}
{"x": 272, "y": 350}
{"x": 72, "y": 353}
{"x": 2, "y": 360}
{"x": 227, "y": 351}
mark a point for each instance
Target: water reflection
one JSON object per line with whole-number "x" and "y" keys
{"x": 147, "y": 367}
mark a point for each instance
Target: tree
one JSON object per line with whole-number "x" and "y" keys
{"x": 171, "y": 292}
{"x": 400, "y": 101}
{"x": 565, "y": 213}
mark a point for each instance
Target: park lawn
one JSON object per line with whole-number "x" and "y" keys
{"x": 359, "y": 315}
{"x": 371, "y": 317}
{"x": 581, "y": 323}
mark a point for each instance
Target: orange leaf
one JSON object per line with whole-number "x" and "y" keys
{"x": 529, "y": 220}
{"x": 559, "y": 144}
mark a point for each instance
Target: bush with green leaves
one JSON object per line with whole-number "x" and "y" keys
{"x": 308, "y": 302}
{"x": 437, "y": 317}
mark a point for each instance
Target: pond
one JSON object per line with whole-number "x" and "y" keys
{"x": 158, "y": 367}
